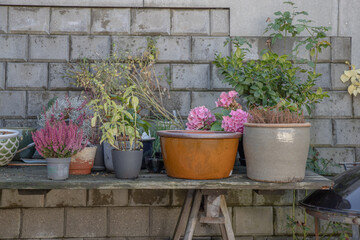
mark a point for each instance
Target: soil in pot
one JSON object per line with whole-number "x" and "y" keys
{"x": 127, "y": 164}
{"x": 82, "y": 162}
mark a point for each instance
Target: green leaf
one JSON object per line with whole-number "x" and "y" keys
{"x": 216, "y": 126}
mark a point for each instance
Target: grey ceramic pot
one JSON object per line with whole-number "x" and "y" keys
{"x": 276, "y": 152}
{"x": 58, "y": 168}
{"x": 127, "y": 164}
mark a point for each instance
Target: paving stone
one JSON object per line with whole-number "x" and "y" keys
{"x": 27, "y": 76}
{"x": 220, "y": 22}
{"x": 12, "y": 103}
{"x": 321, "y": 132}
{"x": 340, "y": 49}
{"x": 149, "y": 197}
{"x": 347, "y": 132}
{"x": 337, "y": 69}
{"x": 90, "y": 47}
{"x": 338, "y": 104}
{"x": 179, "y": 101}
{"x": 129, "y": 221}
{"x": 163, "y": 221}
{"x": 174, "y": 48}
{"x": 14, "y": 47}
{"x": 38, "y": 100}
{"x": 238, "y": 198}
{"x": 9, "y": 223}
{"x": 58, "y": 76}
{"x": 246, "y": 220}
{"x": 216, "y": 80}
{"x": 86, "y": 222}
{"x": 20, "y": 122}
{"x": 101, "y": 197}
{"x": 110, "y": 21}
{"x": 2, "y": 76}
{"x": 42, "y": 223}
{"x": 3, "y": 19}
{"x": 285, "y": 198}
{"x": 150, "y": 21}
{"x": 65, "y": 197}
{"x": 336, "y": 156}
{"x": 190, "y": 76}
{"x": 205, "y": 48}
{"x": 29, "y": 19}
{"x": 194, "y": 22}
{"x": 52, "y": 48}
{"x": 281, "y": 222}
{"x": 11, "y": 198}
{"x": 206, "y": 99}
{"x": 70, "y": 20}
{"x": 132, "y": 45}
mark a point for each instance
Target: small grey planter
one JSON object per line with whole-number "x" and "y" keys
{"x": 58, "y": 168}
{"x": 276, "y": 152}
{"x": 127, "y": 164}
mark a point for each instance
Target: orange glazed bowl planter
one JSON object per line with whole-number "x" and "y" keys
{"x": 198, "y": 154}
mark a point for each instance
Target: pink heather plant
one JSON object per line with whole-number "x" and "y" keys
{"x": 200, "y": 118}
{"x": 227, "y": 100}
{"x": 235, "y": 123}
{"x": 58, "y": 140}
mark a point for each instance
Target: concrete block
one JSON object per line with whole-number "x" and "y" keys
{"x": 70, "y": 20}
{"x": 338, "y": 104}
{"x": 174, "y": 48}
{"x": 324, "y": 81}
{"x": 110, "y": 21}
{"x": 9, "y": 223}
{"x": 190, "y": 76}
{"x": 356, "y": 106}
{"x": 281, "y": 222}
{"x": 27, "y": 76}
{"x": 11, "y": 198}
{"x": 42, "y": 223}
{"x": 12, "y": 103}
{"x": 321, "y": 132}
{"x": 162, "y": 72}
{"x": 14, "y": 47}
{"x": 336, "y": 156}
{"x": 206, "y": 99}
{"x": 86, "y": 222}
{"x": 163, "y": 221}
{"x": 337, "y": 69}
{"x": 150, "y": 21}
{"x": 178, "y": 197}
{"x": 29, "y": 19}
{"x": 149, "y": 197}
{"x": 58, "y": 76}
{"x": 179, "y": 101}
{"x": 347, "y": 132}
{"x": 38, "y": 100}
{"x": 20, "y": 122}
{"x": 194, "y": 22}
{"x": 325, "y": 55}
{"x": 217, "y": 80}
{"x": 133, "y": 46}
{"x": 128, "y": 221}
{"x": 274, "y": 199}
{"x": 340, "y": 49}
{"x": 239, "y": 198}
{"x": 52, "y": 48}
{"x": 257, "y": 45}
{"x": 357, "y": 155}
{"x": 2, "y": 76}
{"x": 65, "y": 197}
{"x": 3, "y": 19}
{"x": 220, "y": 22}
{"x": 246, "y": 220}
{"x": 205, "y": 48}
{"x": 115, "y": 197}
{"x": 90, "y": 47}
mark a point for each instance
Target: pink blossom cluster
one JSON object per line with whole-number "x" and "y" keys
{"x": 58, "y": 140}
{"x": 235, "y": 123}
{"x": 200, "y": 118}
{"x": 227, "y": 100}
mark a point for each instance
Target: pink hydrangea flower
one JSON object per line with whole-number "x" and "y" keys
{"x": 227, "y": 100}
{"x": 235, "y": 123}
{"x": 200, "y": 118}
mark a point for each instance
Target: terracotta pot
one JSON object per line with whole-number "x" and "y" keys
{"x": 276, "y": 152}
{"x": 198, "y": 154}
{"x": 82, "y": 162}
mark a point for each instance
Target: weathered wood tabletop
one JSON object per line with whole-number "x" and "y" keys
{"x": 35, "y": 177}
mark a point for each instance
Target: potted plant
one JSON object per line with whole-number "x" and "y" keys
{"x": 57, "y": 143}
{"x": 74, "y": 109}
{"x": 276, "y": 144}
{"x": 9, "y": 144}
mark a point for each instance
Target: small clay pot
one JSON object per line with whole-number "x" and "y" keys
{"x": 83, "y": 161}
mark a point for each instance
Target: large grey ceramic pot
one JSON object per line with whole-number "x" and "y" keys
{"x": 127, "y": 164}
{"x": 276, "y": 152}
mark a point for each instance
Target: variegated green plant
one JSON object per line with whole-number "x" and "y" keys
{"x": 353, "y": 75}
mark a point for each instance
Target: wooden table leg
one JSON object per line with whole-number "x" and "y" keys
{"x": 223, "y": 232}
{"x": 193, "y": 216}
{"x": 355, "y": 232}
{"x": 225, "y": 212}
{"x": 184, "y": 215}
